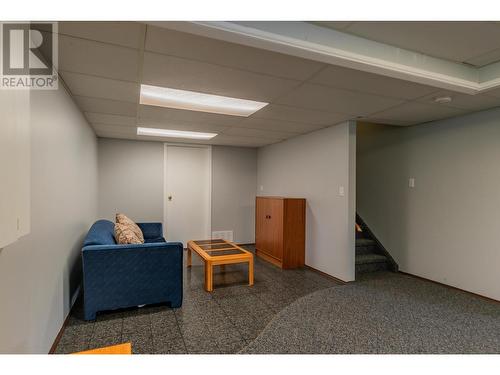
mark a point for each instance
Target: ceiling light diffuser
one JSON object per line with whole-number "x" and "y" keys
{"x": 174, "y": 133}
{"x": 197, "y": 101}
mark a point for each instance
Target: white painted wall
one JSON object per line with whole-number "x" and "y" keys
{"x": 14, "y": 165}
{"x": 131, "y": 181}
{"x": 234, "y": 179}
{"x": 41, "y": 271}
{"x": 446, "y": 228}
{"x": 314, "y": 166}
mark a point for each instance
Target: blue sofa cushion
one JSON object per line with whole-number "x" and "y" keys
{"x": 102, "y": 232}
{"x": 154, "y": 240}
{"x": 151, "y": 231}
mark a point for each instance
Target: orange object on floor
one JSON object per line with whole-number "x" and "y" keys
{"x": 125, "y": 348}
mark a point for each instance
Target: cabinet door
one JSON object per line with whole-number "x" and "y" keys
{"x": 274, "y": 227}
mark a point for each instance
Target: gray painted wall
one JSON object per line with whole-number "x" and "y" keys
{"x": 41, "y": 271}
{"x": 234, "y": 179}
{"x": 314, "y": 166}
{"x": 446, "y": 227}
{"x": 131, "y": 181}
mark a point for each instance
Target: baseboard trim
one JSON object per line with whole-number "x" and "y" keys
{"x": 65, "y": 323}
{"x": 269, "y": 258}
{"x": 326, "y": 275}
{"x": 245, "y": 244}
{"x": 449, "y": 286}
{"x": 59, "y": 335}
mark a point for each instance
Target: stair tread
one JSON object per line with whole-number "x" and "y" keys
{"x": 370, "y": 258}
{"x": 364, "y": 242}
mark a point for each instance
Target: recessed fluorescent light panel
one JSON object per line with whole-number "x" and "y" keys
{"x": 174, "y": 133}
{"x": 197, "y": 101}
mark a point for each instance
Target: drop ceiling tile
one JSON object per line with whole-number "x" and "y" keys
{"x": 259, "y": 133}
{"x": 104, "y": 88}
{"x": 463, "y": 101}
{"x": 277, "y": 125}
{"x": 113, "y": 107}
{"x": 231, "y": 140}
{"x": 126, "y": 34}
{"x": 416, "y": 113}
{"x": 115, "y": 129}
{"x": 384, "y": 121}
{"x": 356, "y": 80}
{"x": 455, "y": 41}
{"x": 485, "y": 59}
{"x": 336, "y": 100}
{"x": 102, "y": 118}
{"x": 189, "y": 46}
{"x": 99, "y": 59}
{"x": 115, "y": 135}
{"x": 173, "y": 72}
{"x": 300, "y": 115}
{"x": 169, "y": 115}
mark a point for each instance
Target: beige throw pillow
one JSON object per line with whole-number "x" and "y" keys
{"x": 125, "y": 235}
{"x": 122, "y": 219}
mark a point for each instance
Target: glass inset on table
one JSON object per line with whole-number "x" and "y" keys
{"x": 218, "y": 246}
{"x": 207, "y": 242}
{"x": 217, "y": 253}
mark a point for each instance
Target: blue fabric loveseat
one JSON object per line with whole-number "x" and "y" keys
{"x": 118, "y": 276}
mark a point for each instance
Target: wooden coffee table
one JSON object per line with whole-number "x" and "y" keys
{"x": 125, "y": 348}
{"x": 216, "y": 253}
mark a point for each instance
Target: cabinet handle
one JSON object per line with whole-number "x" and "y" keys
{"x": 268, "y": 216}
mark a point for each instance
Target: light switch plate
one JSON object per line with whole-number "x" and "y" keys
{"x": 411, "y": 182}
{"x": 341, "y": 191}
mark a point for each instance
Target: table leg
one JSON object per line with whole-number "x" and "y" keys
{"x": 250, "y": 272}
{"x": 208, "y": 277}
{"x": 189, "y": 260}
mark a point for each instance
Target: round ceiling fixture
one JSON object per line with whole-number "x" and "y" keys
{"x": 442, "y": 99}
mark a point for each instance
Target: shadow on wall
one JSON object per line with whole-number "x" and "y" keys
{"x": 376, "y": 144}
{"x": 248, "y": 215}
{"x": 311, "y": 235}
{"x": 75, "y": 271}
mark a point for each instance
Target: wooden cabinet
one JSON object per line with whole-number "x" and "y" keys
{"x": 280, "y": 230}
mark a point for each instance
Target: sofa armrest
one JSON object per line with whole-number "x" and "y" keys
{"x": 151, "y": 230}
{"x": 118, "y": 276}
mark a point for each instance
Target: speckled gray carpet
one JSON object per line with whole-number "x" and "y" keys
{"x": 384, "y": 313}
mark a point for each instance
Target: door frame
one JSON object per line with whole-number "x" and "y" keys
{"x": 209, "y": 183}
